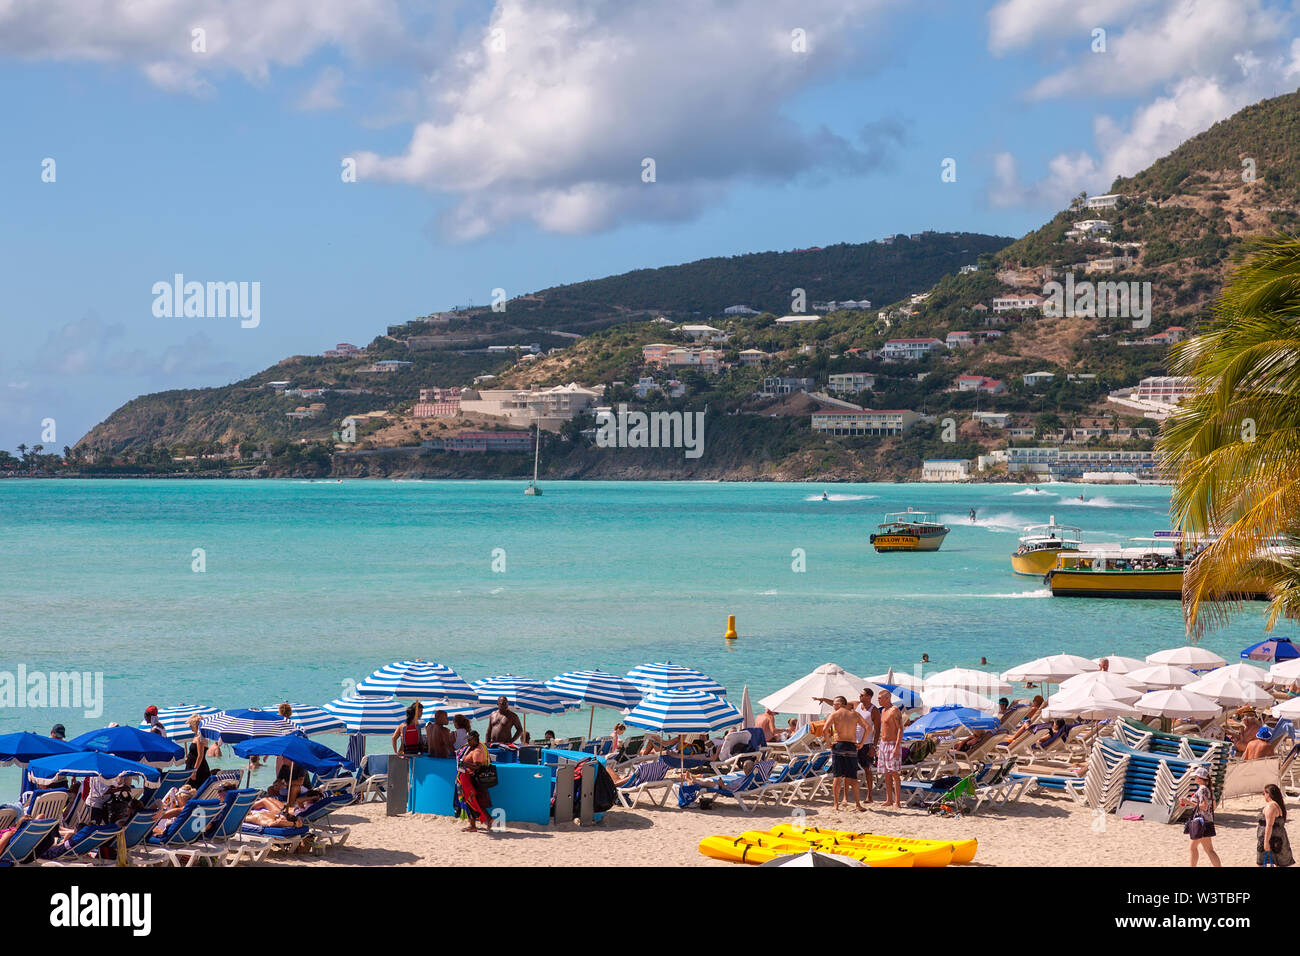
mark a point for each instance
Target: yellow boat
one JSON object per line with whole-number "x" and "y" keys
{"x": 909, "y": 531}
{"x": 766, "y": 847}
{"x": 938, "y": 855}
{"x": 963, "y": 851}
{"x": 1041, "y": 543}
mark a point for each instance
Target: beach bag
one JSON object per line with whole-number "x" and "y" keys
{"x": 485, "y": 777}
{"x": 1195, "y": 828}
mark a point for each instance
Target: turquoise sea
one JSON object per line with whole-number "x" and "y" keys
{"x": 311, "y": 585}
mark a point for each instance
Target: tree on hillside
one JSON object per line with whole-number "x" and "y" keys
{"x": 1234, "y": 447}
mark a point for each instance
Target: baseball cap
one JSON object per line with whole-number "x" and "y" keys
{"x": 151, "y": 711}
{"x": 58, "y": 731}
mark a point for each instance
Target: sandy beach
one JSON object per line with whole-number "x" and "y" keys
{"x": 1038, "y": 831}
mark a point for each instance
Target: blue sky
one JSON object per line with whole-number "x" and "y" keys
{"x": 500, "y": 145}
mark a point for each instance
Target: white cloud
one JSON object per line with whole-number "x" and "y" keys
{"x": 1203, "y": 59}
{"x": 323, "y": 94}
{"x": 553, "y": 128}
{"x": 248, "y": 37}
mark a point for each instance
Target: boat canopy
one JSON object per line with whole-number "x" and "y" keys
{"x": 911, "y": 517}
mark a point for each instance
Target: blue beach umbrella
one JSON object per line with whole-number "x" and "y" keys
{"x": 1272, "y": 650}
{"x": 175, "y": 721}
{"x": 651, "y": 678}
{"x": 417, "y": 679}
{"x": 297, "y": 750}
{"x": 367, "y": 715}
{"x": 597, "y": 689}
{"x": 525, "y": 695}
{"x": 312, "y": 720}
{"x": 22, "y": 748}
{"x": 89, "y": 763}
{"x": 683, "y": 712}
{"x": 906, "y": 698}
{"x": 949, "y": 718}
{"x": 234, "y": 726}
{"x": 132, "y": 744}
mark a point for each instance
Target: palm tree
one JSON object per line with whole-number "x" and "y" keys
{"x": 1233, "y": 448}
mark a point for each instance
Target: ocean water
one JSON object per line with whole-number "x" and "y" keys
{"x": 311, "y": 585}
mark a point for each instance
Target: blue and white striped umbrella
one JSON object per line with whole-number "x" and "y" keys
{"x": 526, "y": 695}
{"x": 234, "y": 726}
{"x": 417, "y": 679}
{"x": 367, "y": 715}
{"x": 683, "y": 712}
{"x": 656, "y": 677}
{"x": 596, "y": 688}
{"x": 457, "y": 709}
{"x": 175, "y": 720}
{"x": 311, "y": 719}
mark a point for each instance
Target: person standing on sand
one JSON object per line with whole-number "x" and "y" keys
{"x": 889, "y": 749}
{"x": 1273, "y": 846}
{"x": 867, "y": 740}
{"x": 842, "y": 727}
{"x": 1201, "y": 826}
{"x": 471, "y": 799}
{"x": 504, "y": 726}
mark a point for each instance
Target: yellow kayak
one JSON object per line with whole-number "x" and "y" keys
{"x": 939, "y": 854}
{"x": 963, "y": 851}
{"x": 768, "y": 847}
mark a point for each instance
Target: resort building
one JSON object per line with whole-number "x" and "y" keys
{"x": 646, "y": 385}
{"x": 959, "y": 340}
{"x": 386, "y": 365}
{"x": 471, "y": 442}
{"x": 549, "y": 407}
{"x": 865, "y": 422}
{"x": 945, "y": 469}
{"x": 798, "y": 319}
{"x": 343, "y": 350}
{"x": 739, "y": 310}
{"x": 1108, "y": 201}
{"x": 1034, "y": 379}
{"x": 994, "y": 419}
{"x": 1165, "y": 389}
{"x": 753, "y": 357}
{"x": 979, "y": 383}
{"x": 1088, "y": 229}
{"x": 703, "y": 333}
{"x": 848, "y": 382}
{"x": 1060, "y": 463}
{"x": 1018, "y": 302}
{"x": 908, "y": 350}
{"x": 848, "y": 305}
{"x": 786, "y": 386}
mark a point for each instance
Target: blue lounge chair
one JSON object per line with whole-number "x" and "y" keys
{"x": 743, "y": 788}
{"x": 26, "y": 839}
{"x": 647, "y": 779}
{"x": 78, "y": 847}
{"x": 315, "y": 818}
{"x": 183, "y": 832}
{"x": 171, "y": 779}
{"x": 215, "y": 844}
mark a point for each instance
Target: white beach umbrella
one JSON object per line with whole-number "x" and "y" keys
{"x": 828, "y": 680}
{"x": 1051, "y": 669}
{"x": 597, "y": 688}
{"x": 1288, "y": 708}
{"x": 1095, "y": 703}
{"x": 1112, "y": 682}
{"x": 1242, "y": 671}
{"x": 311, "y": 719}
{"x": 966, "y": 678}
{"x": 1104, "y": 685}
{"x": 1120, "y": 665}
{"x": 1162, "y": 676}
{"x": 958, "y": 697}
{"x": 899, "y": 679}
{"x": 746, "y": 708}
{"x": 1286, "y": 672}
{"x": 1229, "y": 691}
{"x": 1189, "y": 655}
{"x": 454, "y": 709}
{"x": 1177, "y": 703}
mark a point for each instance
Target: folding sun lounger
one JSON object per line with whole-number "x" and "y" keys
{"x": 647, "y": 779}
{"x": 184, "y": 831}
{"x": 79, "y": 846}
{"x": 26, "y": 839}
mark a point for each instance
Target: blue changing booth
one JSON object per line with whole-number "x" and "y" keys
{"x": 523, "y": 791}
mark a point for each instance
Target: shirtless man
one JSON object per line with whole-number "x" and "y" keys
{"x": 503, "y": 725}
{"x": 1260, "y": 746}
{"x": 842, "y": 727}
{"x": 439, "y": 742}
{"x": 766, "y": 722}
{"x": 889, "y": 749}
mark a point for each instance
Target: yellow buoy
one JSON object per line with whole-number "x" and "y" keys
{"x": 731, "y": 634}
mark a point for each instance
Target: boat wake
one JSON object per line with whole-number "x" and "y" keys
{"x": 1002, "y": 522}
{"x": 1017, "y": 596}
{"x": 841, "y": 497}
{"x": 1097, "y": 501}
{"x": 1033, "y": 491}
